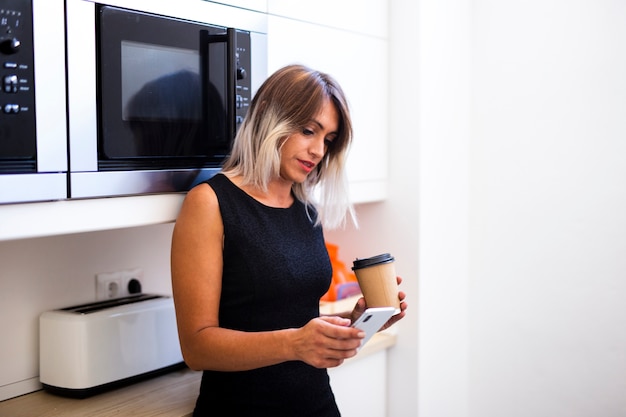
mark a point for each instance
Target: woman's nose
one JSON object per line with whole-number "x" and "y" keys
{"x": 318, "y": 147}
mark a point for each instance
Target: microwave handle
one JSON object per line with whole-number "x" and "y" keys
{"x": 230, "y": 37}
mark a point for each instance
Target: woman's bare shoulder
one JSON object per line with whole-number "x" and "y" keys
{"x": 200, "y": 205}
{"x": 201, "y": 194}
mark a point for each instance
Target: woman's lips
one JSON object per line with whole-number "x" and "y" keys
{"x": 307, "y": 165}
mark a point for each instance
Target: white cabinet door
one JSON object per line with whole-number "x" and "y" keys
{"x": 360, "y": 386}
{"x": 258, "y": 5}
{"x": 362, "y": 16}
{"x": 359, "y": 63}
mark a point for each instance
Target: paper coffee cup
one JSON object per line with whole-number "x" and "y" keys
{"x": 377, "y": 279}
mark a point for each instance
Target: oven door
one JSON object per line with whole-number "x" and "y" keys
{"x": 158, "y": 107}
{"x": 33, "y": 134}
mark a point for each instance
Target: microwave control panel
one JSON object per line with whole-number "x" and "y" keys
{"x": 243, "y": 95}
{"x": 17, "y": 90}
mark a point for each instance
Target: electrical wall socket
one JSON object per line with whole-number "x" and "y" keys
{"x": 118, "y": 283}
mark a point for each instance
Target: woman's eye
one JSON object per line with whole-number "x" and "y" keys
{"x": 307, "y": 132}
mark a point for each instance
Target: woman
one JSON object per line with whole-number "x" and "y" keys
{"x": 249, "y": 263}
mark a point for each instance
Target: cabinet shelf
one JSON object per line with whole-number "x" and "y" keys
{"x": 32, "y": 220}
{"x": 62, "y": 217}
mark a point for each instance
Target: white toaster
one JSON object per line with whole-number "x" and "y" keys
{"x": 93, "y": 347}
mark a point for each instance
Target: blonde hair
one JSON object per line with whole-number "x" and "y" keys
{"x": 283, "y": 105}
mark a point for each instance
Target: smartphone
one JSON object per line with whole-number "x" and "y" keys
{"x": 372, "y": 320}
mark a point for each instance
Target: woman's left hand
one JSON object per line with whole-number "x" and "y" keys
{"x": 361, "y": 306}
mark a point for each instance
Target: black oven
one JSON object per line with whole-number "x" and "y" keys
{"x": 156, "y": 95}
{"x": 33, "y": 140}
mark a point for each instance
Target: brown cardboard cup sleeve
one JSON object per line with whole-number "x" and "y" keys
{"x": 377, "y": 279}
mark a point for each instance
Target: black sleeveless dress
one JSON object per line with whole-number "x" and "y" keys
{"x": 276, "y": 268}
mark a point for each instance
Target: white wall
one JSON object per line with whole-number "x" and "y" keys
{"x": 548, "y": 208}
{"x": 513, "y": 223}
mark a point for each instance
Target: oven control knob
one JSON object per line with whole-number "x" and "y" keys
{"x": 241, "y": 73}
{"x": 10, "y": 46}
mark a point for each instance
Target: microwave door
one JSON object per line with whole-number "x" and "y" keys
{"x": 162, "y": 104}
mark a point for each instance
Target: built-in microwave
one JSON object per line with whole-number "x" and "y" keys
{"x": 121, "y": 97}
{"x": 33, "y": 133}
{"x": 156, "y": 91}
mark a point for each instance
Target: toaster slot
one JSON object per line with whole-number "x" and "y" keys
{"x": 101, "y": 305}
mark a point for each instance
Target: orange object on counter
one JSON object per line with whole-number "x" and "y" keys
{"x": 344, "y": 283}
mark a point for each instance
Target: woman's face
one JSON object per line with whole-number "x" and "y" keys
{"x": 303, "y": 150}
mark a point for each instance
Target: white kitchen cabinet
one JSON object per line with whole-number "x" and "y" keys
{"x": 360, "y": 386}
{"x": 359, "y": 63}
{"x": 362, "y": 16}
{"x": 258, "y": 5}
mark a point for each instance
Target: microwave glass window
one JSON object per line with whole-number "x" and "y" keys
{"x": 160, "y": 83}
{"x": 161, "y": 102}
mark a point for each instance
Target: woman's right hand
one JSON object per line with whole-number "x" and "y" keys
{"x": 325, "y": 342}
